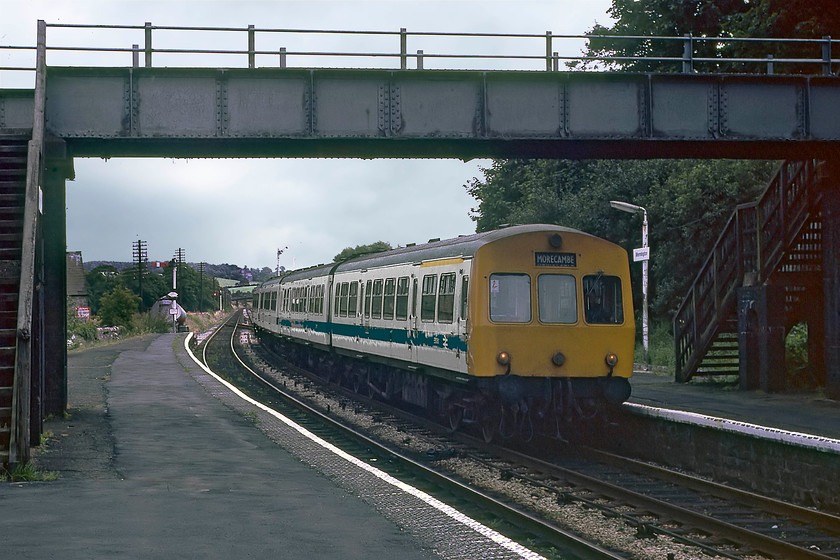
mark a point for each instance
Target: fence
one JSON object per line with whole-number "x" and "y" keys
{"x": 252, "y": 47}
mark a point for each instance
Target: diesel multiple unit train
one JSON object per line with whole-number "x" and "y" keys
{"x": 514, "y": 330}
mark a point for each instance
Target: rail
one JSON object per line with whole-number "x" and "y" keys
{"x": 253, "y": 47}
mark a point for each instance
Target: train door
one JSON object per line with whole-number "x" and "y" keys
{"x": 462, "y": 300}
{"x": 414, "y": 320}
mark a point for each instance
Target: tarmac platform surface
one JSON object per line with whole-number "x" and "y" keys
{"x": 152, "y": 466}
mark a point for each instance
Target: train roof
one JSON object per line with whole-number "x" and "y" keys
{"x": 463, "y": 246}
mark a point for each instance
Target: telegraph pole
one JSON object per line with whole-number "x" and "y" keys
{"x": 141, "y": 259}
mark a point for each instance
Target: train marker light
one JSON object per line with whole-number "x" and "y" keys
{"x": 556, "y": 240}
{"x": 503, "y": 358}
{"x": 558, "y": 359}
{"x": 611, "y": 358}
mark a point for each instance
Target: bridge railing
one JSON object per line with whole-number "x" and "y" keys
{"x": 252, "y": 47}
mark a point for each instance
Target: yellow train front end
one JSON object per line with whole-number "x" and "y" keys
{"x": 551, "y": 317}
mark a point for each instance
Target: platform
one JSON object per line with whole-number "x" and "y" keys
{"x": 808, "y": 413}
{"x": 155, "y": 461}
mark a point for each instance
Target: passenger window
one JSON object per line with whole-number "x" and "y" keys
{"x": 427, "y": 300}
{"x": 558, "y": 298}
{"x": 342, "y": 309}
{"x": 414, "y": 298}
{"x": 602, "y": 302}
{"x": 388, "y": 302}
{"x": 402, "y": 298}
{"x": 368, "y": 294}
{"x": 376, "y": 306}
{"x": 465, "y": 292}
{"x": 274, "y": 301}
{"x": 446, "y": 298}
{"x": 353, "y": 301}
{"x": 510, "y": 298}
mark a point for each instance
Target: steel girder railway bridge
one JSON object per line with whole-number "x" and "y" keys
{"x": 782, "y": 256}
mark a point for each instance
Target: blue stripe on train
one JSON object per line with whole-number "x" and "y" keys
{"x": 382, "y": 334}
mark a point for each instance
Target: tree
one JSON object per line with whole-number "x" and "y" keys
{"x": 118, "y": 306}
{"x": 799, "y": 19}
{"x": 350, "y": 252}
{"x": 101, "y": 280}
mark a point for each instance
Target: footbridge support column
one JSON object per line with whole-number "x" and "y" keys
{"x": 831, "y": 279}
{"x": 761, "y": 338}
{"x": 57, "y": 169}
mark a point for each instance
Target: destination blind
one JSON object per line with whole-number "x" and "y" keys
{"x": 556, "y": 259}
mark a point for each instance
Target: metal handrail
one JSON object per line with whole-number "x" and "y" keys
{"x": 768, "y": 254}
{"x": 547, "y": 53}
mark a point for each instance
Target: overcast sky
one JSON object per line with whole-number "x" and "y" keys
{"x": 240, "y": 211}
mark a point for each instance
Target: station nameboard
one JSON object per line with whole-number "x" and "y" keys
{"x": 555, "y": 259}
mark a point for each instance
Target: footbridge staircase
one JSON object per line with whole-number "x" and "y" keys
{"x": 763, "y": 276}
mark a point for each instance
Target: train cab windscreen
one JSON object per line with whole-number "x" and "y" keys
{"x": 558, "y": 298}
{"x": 602, "y": 300}
{"x": 510, "y": 298}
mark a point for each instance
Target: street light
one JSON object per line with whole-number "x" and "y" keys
{"x": 644, "y": 256}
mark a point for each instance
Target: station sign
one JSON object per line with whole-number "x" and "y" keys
{"x": 642, "y": 254}
{"x": 83, "y": 312}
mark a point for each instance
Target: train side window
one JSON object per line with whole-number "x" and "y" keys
{"x": 274, "y": 301}
{"x": 510, "y": 298}
{"x": 402, "y": 298}
{"x": 602, "y": 302}
{"x": 446, "y": 298}
{"x": 368, "y": 296}
{"x": 427, "y": 299}
{"x": 558, "y": 298}
{"x": 388, "y": 301}
{"x": 353, "y": 300}
{"x": 465, "y": 291}
{"x": 414, "y": 298}
{"x": 376, "y": 304}
{"x": 320, "y": 299}
{"x": 342, "y": 304}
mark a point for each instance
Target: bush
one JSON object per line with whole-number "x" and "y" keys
{"x": 86, "y": 330}
{"x": 117, "y": 307}
{"x": 660, "y": 346}
{"x": 145, "y": 323}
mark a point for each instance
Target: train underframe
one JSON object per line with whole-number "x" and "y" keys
{"x": 505, "y": 407}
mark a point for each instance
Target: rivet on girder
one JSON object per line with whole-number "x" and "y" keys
{"x": 396, "y": 111}
{"x": 383, "y": 101}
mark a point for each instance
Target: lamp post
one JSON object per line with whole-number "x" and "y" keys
{"x": 644, "y": 256}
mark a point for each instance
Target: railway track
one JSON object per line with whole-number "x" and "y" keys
{"x": 657, "y": 503}
{"x": 526, "y": 526}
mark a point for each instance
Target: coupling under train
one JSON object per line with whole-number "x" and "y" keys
{"x": 514, "y": 331}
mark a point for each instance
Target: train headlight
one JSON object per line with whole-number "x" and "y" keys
{"x": 503, "y": 358}
{"x": 558, "y": 359}
{"x": 611, "y": 359}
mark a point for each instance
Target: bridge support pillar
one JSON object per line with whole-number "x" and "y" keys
{"x": 57, "y": 169}
{"x": 831, "y": 285}
{"x": 761, "y": 338}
